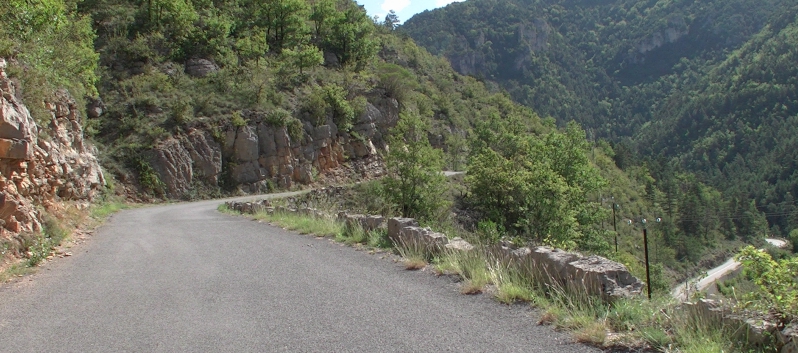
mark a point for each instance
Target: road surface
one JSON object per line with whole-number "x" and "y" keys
{"x": 703, "y": 282}
{"x": 777, "y": 243}
{"x": 186, "y": 278}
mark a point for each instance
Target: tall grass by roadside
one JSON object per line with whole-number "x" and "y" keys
{"x": 323, "y": 227}
{"x": 101, "y": 211}
{"x": 658, "y": 325}
{"x": 303, "y": 224}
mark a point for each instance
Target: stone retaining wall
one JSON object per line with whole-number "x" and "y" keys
{"x": 747, "y": 326}
{"x": 594, "y": 274}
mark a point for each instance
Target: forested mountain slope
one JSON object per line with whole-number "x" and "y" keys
{"x": 705, "y": 82}
{"x": 737, "y": 127}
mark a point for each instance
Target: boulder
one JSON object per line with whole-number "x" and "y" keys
{"x": 553, "y": 262}
{"x": 396, "y": 224}
{"x": 95, "y": 109}
{"x": 16, "y": 149}
{"x": 247, "y": 173}
{"x": 199, "y": 67}
{"x": 604, "y": 277}
{"x": 363, "y": 149}
{"x": 425, "y": 238}
{"x": 266, "y": 140}
{"x": 322, "y": 132}
{"x": 206, "y": 154}
{"x": 458, "y": 244}
{"x": 16, "y": 122}
{"x": 788, "y": 338}
{"x": 246, "y": 145}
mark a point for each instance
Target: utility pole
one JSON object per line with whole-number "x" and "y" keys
{"x": 614, "y": 226}
{"x": 645, "y": 247}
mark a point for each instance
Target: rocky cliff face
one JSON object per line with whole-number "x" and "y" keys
{"x": 41, "y": 166}
{"x": 258, "y": 155}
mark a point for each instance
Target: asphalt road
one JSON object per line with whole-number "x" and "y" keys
{"x": 185, "y": 278}
{"x": 703, "y": 282}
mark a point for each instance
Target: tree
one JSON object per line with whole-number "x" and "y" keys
{"x": 303, "y": 57}
{"x": 414, "y": 184}
{"x": 350, "y": 36}
{"x": 174, "y": 18}
{"x": 534, "y": 186}
{"x": 252, "y": 46}
{"x": 322, "y": 13}
{"x": 284, "y": 22}
{"x": 391, "y": 20}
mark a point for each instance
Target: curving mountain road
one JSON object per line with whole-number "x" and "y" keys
{"x": 703, "y": 282}
{"x": 185, "y": 278}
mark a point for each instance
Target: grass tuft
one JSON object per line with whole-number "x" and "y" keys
{"x": 470, "y": 287}
{"x": 415, "y": 255}
{"x": 303, "y": 224}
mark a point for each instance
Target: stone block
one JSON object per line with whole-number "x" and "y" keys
{"x": 458, "y": 244}
{"x": 604, "y": 277}
{"x": 199, "y": 67}
{"x": 553, "y": 261}
{"x": 396, "y": 224}
{"x": 322, "y": 132}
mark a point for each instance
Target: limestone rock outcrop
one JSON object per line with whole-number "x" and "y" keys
{"x": 41, "y": 165}
{"x": 200, "y": 67}
{"x": 260, "y": 155}
{"x": 178, "y": 161}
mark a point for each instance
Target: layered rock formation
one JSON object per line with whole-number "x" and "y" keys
{"x": 260, "y": 155}
{"x": 41, "y": 166}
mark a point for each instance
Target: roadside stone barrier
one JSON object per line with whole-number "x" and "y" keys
{"x": 595, "y": 275}
{"x": 752, "y": 327}
{"x": 367, "y": 222}
{"x": 250, "y": 207}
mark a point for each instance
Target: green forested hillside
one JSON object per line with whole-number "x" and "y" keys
{"x": 704, "y": 87}
{"x": 737, "y": 126}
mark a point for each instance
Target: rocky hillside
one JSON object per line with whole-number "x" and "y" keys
{"x": 266, "y": 156}
{"x": 42, "y": 166}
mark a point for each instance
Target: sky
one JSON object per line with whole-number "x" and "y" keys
{"x": 404, "y": 8}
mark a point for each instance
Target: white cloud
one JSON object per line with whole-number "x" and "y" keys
{"x": 396, "y": 5}
{"x": 440, "y": 3}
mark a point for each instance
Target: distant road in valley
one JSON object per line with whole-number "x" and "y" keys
{"x": 703, "y": 282}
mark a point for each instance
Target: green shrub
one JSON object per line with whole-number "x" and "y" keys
{"x": 295, "y": 129}
{"x": 237, "y": 120}
{"x": 342, "y": 111}
{"x": 148, "y": 178}
{"x": 396, "y": 81}
{"x": 278, "y": 117}
{"x": 316, "y": 106}
{"x": 778, "y": 289}
{"x": 415, "y": 184}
